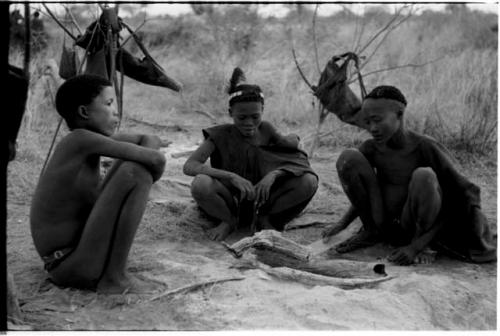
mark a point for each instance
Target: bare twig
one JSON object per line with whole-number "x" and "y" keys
{"x": 360, "y": 35}
{"x": 27, "y": 41}
{"x": 388, "y": 31}
{"x": 356, "y": 31}
{"x": 55, "y": 133}
{"x": 300, "y": 70}
{"x": 135, "y": 31}
{"x": 391, "y": 21}
{"x": 73, "y": 19}
{"x": 409, "y": 65}
{"x": 206, "y": 114}
{"x": 193, "y": 287}
{"x": 314, "y": 39}
{"x": 322, "y": 116}
{"x": 58, "y": 22}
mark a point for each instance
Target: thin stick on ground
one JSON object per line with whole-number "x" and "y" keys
{"x": 192, "y": 288}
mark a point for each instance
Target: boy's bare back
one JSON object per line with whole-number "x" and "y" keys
{"x": 65, "y": 194}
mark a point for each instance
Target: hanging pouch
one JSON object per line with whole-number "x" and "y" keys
{"x": 69, "y": 63}
{"x": 147, "y": 70}
{"x": 96, "y": 64}
{"x": 335, "y": 94}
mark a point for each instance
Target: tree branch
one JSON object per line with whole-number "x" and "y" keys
{"x": 58, "y": 22}
{"x": 387, "y": 32}
{"x": 409, "y": 65}
{"x": 73, "y": 20}
{"x": 314, "y": 39}
{"x": 391, "y": 21}
{"x": 300, "y": 70}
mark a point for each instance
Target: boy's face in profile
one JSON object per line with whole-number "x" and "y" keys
{"x": 383, "y": 118}
{"x": 247, "y": 117}
{"x": 101, "y": 114}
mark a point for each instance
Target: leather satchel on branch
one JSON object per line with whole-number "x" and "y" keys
{"x": 334, "y": 93}
{"x": 69, "y": 62}
{"x": 103, "y": 56}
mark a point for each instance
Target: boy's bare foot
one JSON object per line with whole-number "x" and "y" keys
{"x": 220, "y": 232}
{"x": 361, "y": 239}
{"x": 331, "y": 231}
{"x": 403, "y": 256}
{"x": 129, "y": 284}
{"x": 427, "y": 256}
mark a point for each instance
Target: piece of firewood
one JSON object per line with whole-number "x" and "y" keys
{"x": 334, "y": 268}
{"x": 311, "y": 279}
{"x": 307, "y": 278}
{"x": 272, "y": 249}
{"x": 271, "y": 240}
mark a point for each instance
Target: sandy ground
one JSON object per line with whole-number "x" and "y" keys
{"x": 171, "y": 247}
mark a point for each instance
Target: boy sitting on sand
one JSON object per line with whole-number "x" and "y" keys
{"x": 406, "y": 190}
{"x": 83, "y": 229}
{"x": 256, "y": 176}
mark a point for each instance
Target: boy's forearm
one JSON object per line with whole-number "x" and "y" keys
{"x": 150, "y": 141}
{"x": 195, "y": 168}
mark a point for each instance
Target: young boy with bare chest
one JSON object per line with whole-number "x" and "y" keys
{"x": 406, "y": 191}
{"x": 256, "y": 175}
{"x": 83, "y": 228}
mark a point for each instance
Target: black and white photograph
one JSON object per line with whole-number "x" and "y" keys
{"x": 249, "y": 166}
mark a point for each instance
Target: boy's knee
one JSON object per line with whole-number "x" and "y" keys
{"x": 349, "y": 160}
{"x": 200, "y": 187}
{"x": 308, "y": 185}
{"x": 424, "y": 176}
{"x": 135, "y": 172}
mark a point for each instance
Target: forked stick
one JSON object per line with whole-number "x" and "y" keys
{"x": 191, "y": 288}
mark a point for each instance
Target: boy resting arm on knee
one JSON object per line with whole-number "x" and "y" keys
{"x": 256, "y": 175}
{"x": 83, "y": 228}
{"x": 407, "y": 191}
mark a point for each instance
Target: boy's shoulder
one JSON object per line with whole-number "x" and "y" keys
{"x": 84, "y": 141}
{"x": 216, "y": 131}
{"x": 427, "y": 142}
{"x": 81, "y": 136}
{"x": 415, "y": 140}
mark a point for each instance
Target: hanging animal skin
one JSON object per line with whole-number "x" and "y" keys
{"x": 101, "y": 51}
{"x": 335, "y": 94}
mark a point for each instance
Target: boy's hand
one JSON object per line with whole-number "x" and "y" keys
{"x": 403, "y": 256}
{"x": 158, "y": 166}
{"x": 244, "y": 186}
{"x": 263, "y": 188}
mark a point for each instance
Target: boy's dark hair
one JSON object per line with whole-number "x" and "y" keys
{"x": 76, "y": 91}
{"x": 387, "y": 92}
{"x": 242, "y": 92}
